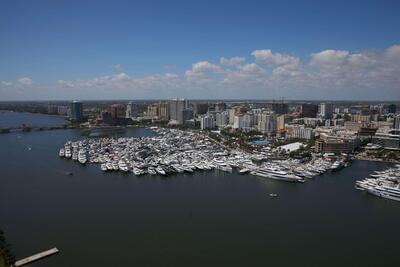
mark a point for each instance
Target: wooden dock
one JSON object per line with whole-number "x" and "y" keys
{"x": 36, "y": 257}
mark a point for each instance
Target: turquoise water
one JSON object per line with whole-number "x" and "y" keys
{"x": 259, "y": 142}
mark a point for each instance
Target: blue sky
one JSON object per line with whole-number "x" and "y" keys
{"x": 52, "y": 41}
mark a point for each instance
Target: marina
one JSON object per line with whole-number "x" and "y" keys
{"x": 174, "y": 151}
{"x": 384, "y": 184}
{"x": 154, "y": 218}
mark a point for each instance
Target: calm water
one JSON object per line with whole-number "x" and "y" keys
{"x": 204, "y": 219}
{"x": 16, "y": 119}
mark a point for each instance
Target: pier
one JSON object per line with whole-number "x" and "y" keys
{"x": 36, "y": 257}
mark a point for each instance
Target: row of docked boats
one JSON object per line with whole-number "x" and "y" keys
{"x": 292, "y": 170}
{"x": 176, "y": 151}
{"x": 384, "y": 184}
{"x": 75, "y": 151}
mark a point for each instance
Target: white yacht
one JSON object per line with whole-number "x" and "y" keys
{"x": 151, "y": 171}
{"x": 82, "y": 157}
{"x": 104, "y": 167}
{"x": 244, "y": 170}
{"x": 122, "y": 166}
{"x": 160, "y": 170}
{"x": 61, "y": 153}
{"x": 68, "y": 153}
{"x": 381, "y": 187}
{"x": 115, "y": 166}
{"x": 277, "y": 175}
{"x": 136, "y": 171}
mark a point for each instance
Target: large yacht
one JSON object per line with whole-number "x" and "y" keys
{"x": 381, "y": 187}
{"x": 82, "y": 157}
{"x": 277, "y": 175}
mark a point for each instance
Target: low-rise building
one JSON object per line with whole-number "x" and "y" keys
{"x": 388, "y": 140}
{"x": 299, "y": 131}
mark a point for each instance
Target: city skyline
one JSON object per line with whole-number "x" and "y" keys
{"x": 200, "y": 51}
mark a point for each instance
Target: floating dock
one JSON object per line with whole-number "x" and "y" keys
{"x": 36, "y": 257}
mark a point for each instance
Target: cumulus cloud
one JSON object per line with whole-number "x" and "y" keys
{"x": 202, "y": 70}
{"x": 5, "y": 83}
{"x": 331, "y": 74}
{"x": 205, "y": 66}
{"x": 326, "y": 74}
{"x": 117, "y": 67}
{"x": 25, "y": 81}
{"x": 233, "y": 61}
{"x": 65, "y": 84}
{"x": 266, "y": 56}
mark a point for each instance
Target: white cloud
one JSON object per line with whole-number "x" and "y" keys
{"x": 331, "y": 74}
{"x": 233, "y": 61}
{"x": 251, "y": 69}
{"x": 265, "y": 56}
{"x": 25, "y": 81}
{"x": 205, "y": 66}
{"x": 65, "y": 84}
{"x": 117, "y": 67}
{"x": 5, "y": 83}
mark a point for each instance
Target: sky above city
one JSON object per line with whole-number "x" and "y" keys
{"x": 63, "y": 50}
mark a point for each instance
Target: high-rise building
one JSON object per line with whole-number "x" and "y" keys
{"x": 267, "y": 123}
{"x": 280, "y": 108}
{"x": 392, "y": 108}
{"x": 231, "y": 114}
{"x": 281, "y": 120}
{"x": 309, "y": 110}
{"x": 396, "y": 122}
{"x": 152, "y": 110}
{"x": 131, "y": 110}
{"x": 207, "y": 122}
{"x": 219, "y": 107}
{"x": 187, "y": 114}
{"x": 163, "y": 109}
{"x": 76, "y": 111}
{"x": 222, "y": 119}
{"x": 118, "y": 111}
{"x": 176, "y": 107}
{"x": 200, "y": 108}
{"x": 247, "y": 122}
{"x": 325, "y": 111}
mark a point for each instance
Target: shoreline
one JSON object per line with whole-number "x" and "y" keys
{"x": 33, "y": 113}
{"x": 378, "y": 160}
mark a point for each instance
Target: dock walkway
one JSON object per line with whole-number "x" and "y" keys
{"x": 36, "y": 257}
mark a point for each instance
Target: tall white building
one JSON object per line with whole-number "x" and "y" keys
{"x": 176, "y": 110}
{"x": 247, "y": 123}
{"x": 207, "y": 122}
{"x": 231, "y": 113}
{"x": 237, "y": 121}
{"x": 131, "y": 110}
{"x": 267, "y": 123}
{"x": 397, "y": 122}
{"x": 222, "y": 119}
